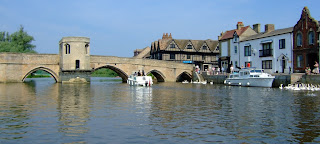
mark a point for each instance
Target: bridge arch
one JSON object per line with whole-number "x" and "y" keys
{"x": 184, "y": 76}
{"x": 51, "y": 72}
{"x": 120, "y": 72}
{"x": 159, "y": 75}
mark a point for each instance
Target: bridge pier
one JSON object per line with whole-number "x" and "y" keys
{"x": 75, "y": 76}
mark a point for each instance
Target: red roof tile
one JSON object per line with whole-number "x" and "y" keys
{"x": 229, "y": 34}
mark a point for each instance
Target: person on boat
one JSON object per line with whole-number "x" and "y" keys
{"x": 248, "y": 65}
{"x": 231, "y": 69}
{"x": 316, "y": 67}
{"x": 135, "y": 74}
{"x": 222, "y": 70}
{"x": 143, "y": 73}
{"x": 213, "y": 68}
{"x": 139, "y": 73}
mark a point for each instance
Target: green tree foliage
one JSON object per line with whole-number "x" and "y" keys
{"x": 19, "y": 41}
{"x": 104, "y": 73}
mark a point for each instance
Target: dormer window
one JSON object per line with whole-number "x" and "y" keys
{"x": 172, "y": 46}
{"x": 204, "y": 47}
{"x": 189, "y": 46}
{"x": 235, "y": 38}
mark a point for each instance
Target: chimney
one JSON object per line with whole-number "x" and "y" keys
{"x": 269, "y": 28}
{"x": 166, "y": 36}
{"x": 220, "y": 35}
{"x": 256, "y": 28}
{"x": 239, "y": 25}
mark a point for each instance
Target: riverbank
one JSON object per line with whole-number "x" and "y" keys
{"x": 284, "y": 79}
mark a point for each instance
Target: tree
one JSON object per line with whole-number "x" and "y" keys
{"x": 19, "y": 41}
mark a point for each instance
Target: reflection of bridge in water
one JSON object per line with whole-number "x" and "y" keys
{"x": 71, "y": 64}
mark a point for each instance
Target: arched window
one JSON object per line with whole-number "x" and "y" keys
{"x": 87, "y": 48}
{"x": 67, "y": 49}
{"x": 299, "y": 39}
{"x": 311, "y": 37}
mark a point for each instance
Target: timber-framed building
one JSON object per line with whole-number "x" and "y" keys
{"x": 204, "y": 53}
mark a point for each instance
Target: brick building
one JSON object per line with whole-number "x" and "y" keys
{"x": 305, "y": 42}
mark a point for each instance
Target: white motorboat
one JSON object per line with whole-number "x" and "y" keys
{"x": 250, "y": 77}
{"x": 140, "y": 80}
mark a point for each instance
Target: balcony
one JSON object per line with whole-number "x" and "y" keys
{"x": 265, "y": 53}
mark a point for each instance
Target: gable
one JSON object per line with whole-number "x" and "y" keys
{"x": 172, "y": 46}
{"x": 189, "y": 47}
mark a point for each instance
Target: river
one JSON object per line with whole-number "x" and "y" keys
{"x": 108, "y": 111}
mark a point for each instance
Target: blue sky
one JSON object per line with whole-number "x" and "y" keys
{"x": 118, "y": 27}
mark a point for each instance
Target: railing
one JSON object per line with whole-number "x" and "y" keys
{"x": 265, "y": 53}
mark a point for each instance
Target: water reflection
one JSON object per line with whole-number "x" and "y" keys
{"x": 42, "y": 111}
{"x": 74, "y": 108}
{"x": 308, "y": 118}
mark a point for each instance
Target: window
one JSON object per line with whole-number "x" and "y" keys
{"x": 67, "y": 49}
{"x": 267, "y": 64}
{"x": 235, "y": 38}
{"x": 299, "y": 61}
{"x": 247, "y": 50}
{"x": 188, "y": 56}
{"x": 266, "y": 50}
{"x": 311, "y": 37}
{"x": 236, "y": 63}
{"x": 172, "y": 56}
{"x": 77, "y": 64}
{"x": 189, "y": 46}
{"x": 172, "y": 46}
{"x": 204, "y": 47}
{"x": 87, "y": 48}
{"x": 282, "y": 43}
{"x": 235, "y": 49}
{"x": 299, "y": 39}
{"x": 203, "y": 57}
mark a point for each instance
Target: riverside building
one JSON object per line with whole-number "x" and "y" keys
{"x": 203, "y": 53}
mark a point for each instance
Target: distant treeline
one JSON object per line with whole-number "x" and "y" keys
{"x": 104, "y": 73}
{"x": 19, "y": 42}
{"x": 39, "y": 74}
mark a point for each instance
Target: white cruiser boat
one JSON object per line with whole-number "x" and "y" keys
{"x": 250, "y": 77}
{"x": 140, "y": 80}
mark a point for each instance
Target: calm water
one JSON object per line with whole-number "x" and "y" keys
{"x": 108, "y": 111}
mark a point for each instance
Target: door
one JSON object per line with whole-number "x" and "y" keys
{"x": 283, "y": 65}
{"x": 77, "y": 64}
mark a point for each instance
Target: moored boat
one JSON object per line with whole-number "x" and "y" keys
{"x": 139, "y": 80}
{"x": 250, "y": 77}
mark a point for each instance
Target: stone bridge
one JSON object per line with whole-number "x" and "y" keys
{"x": 16, "y": 67}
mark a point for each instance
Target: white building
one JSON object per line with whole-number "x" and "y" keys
{"x": 228, "y": 44}
{"x": 270, "y": 50}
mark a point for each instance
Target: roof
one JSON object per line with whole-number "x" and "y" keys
{"x": 143, "y": 53}
{"x": 269, "y": 34}
{"x": 229, "y": 34}
{"x": 182, "y": 43}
